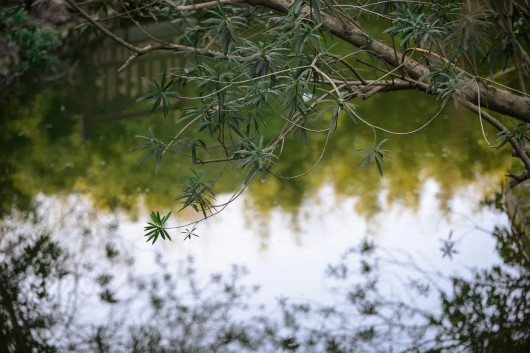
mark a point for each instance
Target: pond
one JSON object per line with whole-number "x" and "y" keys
{"x": 345, "y": 260}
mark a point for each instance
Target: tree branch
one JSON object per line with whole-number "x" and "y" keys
{"x": 499, "y": 100}
{"x": 137, "y": 50}
{"x": 496, "y": 99}
{"x": 218, "y": 160}
{"x": 499, "y": 126}
{"x": 203, "y": 6}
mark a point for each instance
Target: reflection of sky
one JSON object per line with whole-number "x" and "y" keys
{"x": 291, "y": 261}
{"x": 286, "y": 257}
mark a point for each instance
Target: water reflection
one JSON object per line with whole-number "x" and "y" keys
{"x": 69, "y": 283}
{"x": 47, "y": 149}
{"x": 77, "y": 276}
{"x": 78, "y": 137}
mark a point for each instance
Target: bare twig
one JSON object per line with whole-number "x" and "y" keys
{"x": 137, "y": 50}
{"x": 127, "y": 12}
{"x": 499, "y": 126}
{"x": 203, "y": 6}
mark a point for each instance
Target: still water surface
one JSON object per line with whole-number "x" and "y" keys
{"x": 71, "y": 171}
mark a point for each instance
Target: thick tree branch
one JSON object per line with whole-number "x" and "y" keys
{"x": 499, "y": 100}
{"x": 502, "y": 101}
{"x": 495, "y": 99}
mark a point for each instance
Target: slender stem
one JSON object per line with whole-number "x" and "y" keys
{"x": 137, "y": 50}
{"x": 499, "y": 126}
{"x": 203, "y": 6}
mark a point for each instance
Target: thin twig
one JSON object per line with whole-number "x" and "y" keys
{"x": 204, "y": 5}
{"x": 499, "y": 126}
{"x": 137, "y": 50}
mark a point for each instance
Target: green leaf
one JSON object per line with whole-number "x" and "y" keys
{"x": 155, "y": 228}
{"x": 197, "y": 193}
{"x": 333, "y": 121}
{"x": 375, "y": 153}
{"x": 190, "y": 232}
{"x": 161, "y": 94}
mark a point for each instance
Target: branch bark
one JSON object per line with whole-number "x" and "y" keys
{"x": 496, "y": 99}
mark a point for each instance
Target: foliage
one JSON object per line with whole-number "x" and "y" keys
{"x": 189, "y": 233}
{"x": 256, "y": 156}
{"x": 34, "y": 43}
{"x": 197, "y": 193}
{"x": 490, "y": 313}
{"x": 520, "y": 133}
{"x": 156, "y": 146}
{"x": 271, "y": 71}
{"x": 413, "y": 25}
{"x": 449, "y": 246}
{"x": 43, "y": 299}
{"x": 161, "y": 94}
{"x": 32, "y": 265}
{"x": 155, "y": 228}
{"x": 40, "y": 259}
{"x": 375, "y": 154}
{"x": 486, "y": 312}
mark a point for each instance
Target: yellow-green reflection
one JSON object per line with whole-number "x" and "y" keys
{"x": 451, "y": 150}
{"x": 80, "y": 138}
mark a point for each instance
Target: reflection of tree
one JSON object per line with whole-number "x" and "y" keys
{"x": 44, "y": 151}
{"x": 49, "y": 284}
{"x": 41, "y": 151}
{"x": 488, "y": 312}
{"x": 28, "y": 272}
{"x": 491, "y": 313}
{"x": 45, "y": 287}
{"x": 450, "y": 151}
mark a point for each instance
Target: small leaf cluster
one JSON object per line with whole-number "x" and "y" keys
{"x": 197, "y": 193}
{"x": 35, "y": 44}
{"x": 190, "y": 232}
{"x": 520, "y": 133}
{"x": 225, "y": 27}
{"x": 298, "y": 31}
{"x": 155, "y": 228}
{"x": 445, "y": 82}
{"x": 375, "y": 154}
{"x": 258, "y": 157}
{"x": 316, "y": 7}
{"x": 448, "y": 246}
{"x": 161, "y": 94}
{"x": 155, "y": 147}
{"x": 413, "y": 24}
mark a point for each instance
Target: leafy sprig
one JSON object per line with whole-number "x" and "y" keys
{"x": 197, "y": 193}
{"x": 375, "y": 154}
{"x": 155, "y": 228}
{"x": 161, "y": 94}
{"x": 190, "y": 232}
{"x": 257, "y": 156}
{"x": 520, "y": 133}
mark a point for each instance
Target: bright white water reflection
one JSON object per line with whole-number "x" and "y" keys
{"x": 287, "y": 256}
{"x": 117, "y": 283}
{"x": 290, "y": 255}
